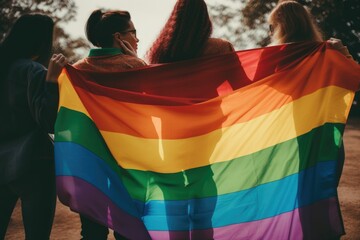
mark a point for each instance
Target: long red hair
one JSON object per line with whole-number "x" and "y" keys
{"x": 184, "y": 35}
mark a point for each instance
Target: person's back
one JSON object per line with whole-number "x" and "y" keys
{"x": 109, "y": 62}
{"x": 28, "y": 102}
{"x": 20, "y": 123}
{"x": 185, "y": 36}
{"x": 114, "y": 34}
{"x": 216, "y": 46}
{"x": 291, "y": 22}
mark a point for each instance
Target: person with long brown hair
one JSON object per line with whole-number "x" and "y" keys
{"x": 186, "y": 35}
{"x": 291, "y": 22}
{"x": 28, "y": 106}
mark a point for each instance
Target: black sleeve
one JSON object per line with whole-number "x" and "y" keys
{"x": 43, "y": 98}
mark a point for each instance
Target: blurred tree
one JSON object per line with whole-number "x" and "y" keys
{"x": 62, "y": 11}
{"x": 244, "y": 22}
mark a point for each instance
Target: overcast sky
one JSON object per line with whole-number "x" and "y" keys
{"x": 149, "y": 16}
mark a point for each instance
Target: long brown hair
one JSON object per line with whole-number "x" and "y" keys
{"x": 292, "y": 22}
{"x": 30, "y": 36}
{"x": 184, "y": 34}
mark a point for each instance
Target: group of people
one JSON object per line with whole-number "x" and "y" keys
{"x": 29, "y": 92}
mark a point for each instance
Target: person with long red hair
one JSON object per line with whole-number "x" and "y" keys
{"x": 186, "y": 35}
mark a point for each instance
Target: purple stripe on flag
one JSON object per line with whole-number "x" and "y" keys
{"x": 321, "y": 220}
{"x": 84, "y": 198}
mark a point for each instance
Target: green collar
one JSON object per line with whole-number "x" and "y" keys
{"x": 97, "y": 52}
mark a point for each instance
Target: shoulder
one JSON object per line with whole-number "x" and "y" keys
{"x": 135, "y": 61}
{"x": 118, "y": 62}
{"x": 219, "y": 41}
{"x": 26, "y": 68}
{"x": 27, "y": 64}
{"x": 218, "y": 46}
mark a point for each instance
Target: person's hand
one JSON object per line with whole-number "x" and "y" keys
{"x": 338, "y": 45}
{"x": 56, "y": 64}
{"x": 128, "y": 49}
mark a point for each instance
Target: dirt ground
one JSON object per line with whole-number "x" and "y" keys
{"x": 67, "y": 225}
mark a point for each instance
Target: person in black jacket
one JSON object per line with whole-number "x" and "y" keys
{"x": 28, "y": 108}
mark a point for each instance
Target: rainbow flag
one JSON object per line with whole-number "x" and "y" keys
{"x": 238, "y": 146}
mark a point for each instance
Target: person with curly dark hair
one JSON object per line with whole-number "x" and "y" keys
{"x": 186, "y": 35}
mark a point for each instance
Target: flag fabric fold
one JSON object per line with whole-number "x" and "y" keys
{"x": 236, "y": 146}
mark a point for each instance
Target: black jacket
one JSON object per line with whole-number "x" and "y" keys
{"x": 28, "y": 110}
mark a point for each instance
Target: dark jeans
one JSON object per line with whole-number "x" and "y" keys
{"x": 38, "y": 200}
{"x": 91, "y": 230}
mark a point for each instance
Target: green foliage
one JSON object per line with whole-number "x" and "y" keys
{"x": 61, "y": 11}
{"x": 244, "y": 23}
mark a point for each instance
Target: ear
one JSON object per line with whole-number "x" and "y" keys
{"x": 117, "y": 40}
{"x": 117, "y": 36}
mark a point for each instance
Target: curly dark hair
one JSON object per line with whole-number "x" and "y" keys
{"x": 184, "y": 34}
